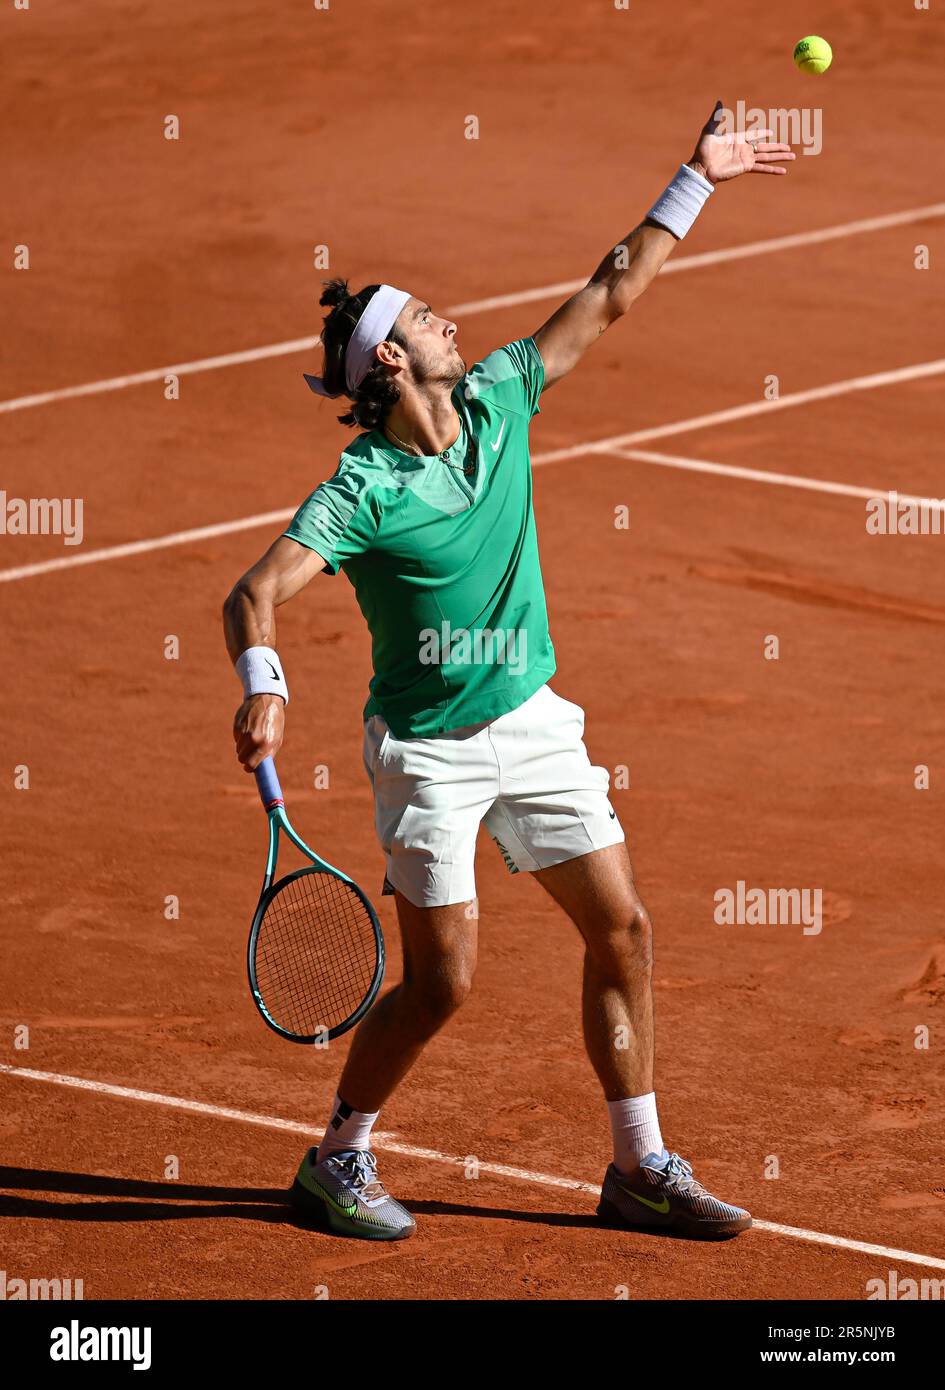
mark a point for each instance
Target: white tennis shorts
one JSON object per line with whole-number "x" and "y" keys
{"x": 525, "y": 775}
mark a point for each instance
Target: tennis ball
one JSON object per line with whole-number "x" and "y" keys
{"x": 813, "y": 54}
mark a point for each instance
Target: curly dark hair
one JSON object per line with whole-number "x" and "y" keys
{"x": 377, "y": 392}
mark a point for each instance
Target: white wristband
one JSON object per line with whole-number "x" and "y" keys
{"x": 260, "y": 670}
{"x": 678, "y": 207}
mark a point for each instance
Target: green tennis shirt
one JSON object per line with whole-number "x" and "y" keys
{"x": 443, "y": 556}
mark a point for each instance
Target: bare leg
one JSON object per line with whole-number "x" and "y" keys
{"x": 598, "y": 894}
{"x": 439, "y": 961}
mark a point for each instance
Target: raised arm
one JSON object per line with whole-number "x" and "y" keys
{"x": 249, "y": 621}
{"x": 634, "y": 263}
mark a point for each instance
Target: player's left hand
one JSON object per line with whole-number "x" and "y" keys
{"x": 722, "y": 157}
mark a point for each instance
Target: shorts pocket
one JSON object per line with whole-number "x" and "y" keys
{"x": 376, "y": 739}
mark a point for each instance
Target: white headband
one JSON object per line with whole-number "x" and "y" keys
{"x": 373, "y": 327}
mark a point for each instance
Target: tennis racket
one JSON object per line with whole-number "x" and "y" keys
{"x": 316, "y": 953}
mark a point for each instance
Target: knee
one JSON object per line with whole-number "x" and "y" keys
{"x": 627, "y": 948}
{"x": 432, "y": 998}
{"x": 640, "y": 932}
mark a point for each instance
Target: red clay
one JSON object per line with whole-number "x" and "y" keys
{"x": 788, "y": 773}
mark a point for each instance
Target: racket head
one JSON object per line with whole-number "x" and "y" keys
{"x": 316, "y": 955}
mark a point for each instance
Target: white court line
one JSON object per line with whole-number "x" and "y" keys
{"x": 389, "y": 1145}
{"x": 118, "y": 552}
{"x": 757, "y": 475}
{"x": 119, "y": 383}
{"x": 751, "y": 408}
{"x": 613, "y": 444}
{"x": 729, "y": 253}
{"x": 197, "y": 1107}
{"x": 482, "y": 306}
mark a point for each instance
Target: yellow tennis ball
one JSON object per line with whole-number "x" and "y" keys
{"x": 813, "y": 54}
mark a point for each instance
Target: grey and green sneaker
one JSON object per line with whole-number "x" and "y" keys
{"x": 343, "y": 1194}
{"x": 663, "y": 1195}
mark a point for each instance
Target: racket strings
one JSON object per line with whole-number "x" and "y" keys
{"x": 316, "y": 953}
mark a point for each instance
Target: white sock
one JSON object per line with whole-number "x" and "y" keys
{"x": 347, "y": 1129}
{"x": 636, "y": 1130}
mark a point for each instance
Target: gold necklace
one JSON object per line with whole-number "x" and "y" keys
{"x": 409, "y": 448}
{"x": 443, "y": 455}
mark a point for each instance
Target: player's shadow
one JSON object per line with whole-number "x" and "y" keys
{"x": 135, "y": 1199}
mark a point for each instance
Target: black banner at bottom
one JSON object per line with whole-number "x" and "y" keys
{"x": 160, "y": 1339}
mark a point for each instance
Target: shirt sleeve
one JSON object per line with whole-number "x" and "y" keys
{"x": 336, "y": 520}
{"x": 512, "y": 377}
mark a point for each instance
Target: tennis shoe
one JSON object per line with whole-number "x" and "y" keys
{"x": 343, "y": 1194}
{"x": 663, "y": 1195}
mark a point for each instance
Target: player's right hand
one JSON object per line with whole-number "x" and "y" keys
{"x": 258, "y": 728}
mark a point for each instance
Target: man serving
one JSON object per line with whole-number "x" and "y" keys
{"x": 430, "y": 516}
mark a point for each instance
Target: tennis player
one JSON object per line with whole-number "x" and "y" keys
{"x": 430, "y": 516}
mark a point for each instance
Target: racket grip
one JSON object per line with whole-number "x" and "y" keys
{"x": 267, "y": 781}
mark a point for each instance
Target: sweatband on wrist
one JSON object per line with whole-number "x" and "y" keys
{"x": 260, "y": 670}
{"x": 678, "y": 207}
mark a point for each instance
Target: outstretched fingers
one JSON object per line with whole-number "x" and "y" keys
{"x": 770, "y": 159}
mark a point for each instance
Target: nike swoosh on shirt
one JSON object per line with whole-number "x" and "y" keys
{"x": 498, "y": 440}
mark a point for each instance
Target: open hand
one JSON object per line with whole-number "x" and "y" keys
{"x": 722, "y": 157}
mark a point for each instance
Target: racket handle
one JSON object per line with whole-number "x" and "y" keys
{"x": 267, "y": 781}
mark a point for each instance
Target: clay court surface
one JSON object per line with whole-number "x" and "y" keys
{"x": 345, "y": 128}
